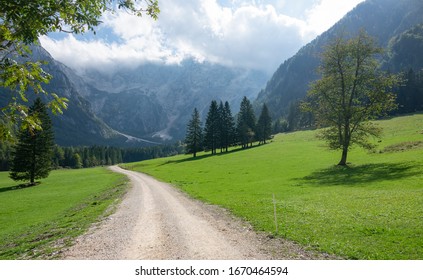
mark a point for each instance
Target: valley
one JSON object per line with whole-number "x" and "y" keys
{"x": 285, "y": 199}
{"x": 368, "y": 210}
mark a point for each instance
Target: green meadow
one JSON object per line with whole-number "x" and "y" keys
{"x": 372, "y": 209}
{"x": 38, "y": 221}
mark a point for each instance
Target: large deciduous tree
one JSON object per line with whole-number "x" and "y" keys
{"x": 22, "y": 22}
{"x": 194, "y": 136}
{"x": 351, "y": 92}
{"x": 32, "y": 158}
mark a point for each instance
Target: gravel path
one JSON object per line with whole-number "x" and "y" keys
{"x": 157, "y": 221}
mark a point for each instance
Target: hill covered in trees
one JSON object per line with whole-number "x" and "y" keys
{"x": 396, "y": 25}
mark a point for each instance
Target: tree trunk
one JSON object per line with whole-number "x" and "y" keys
{"x": 345, "y": 142}
{"x": 32, "y": 171}
{"x": 343, "y": 160}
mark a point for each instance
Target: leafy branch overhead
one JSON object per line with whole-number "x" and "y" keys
{"x": 22, "y": 22}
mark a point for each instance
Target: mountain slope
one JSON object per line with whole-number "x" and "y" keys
{"x": 142, "y": 106}
{"x": 382, "y": 19}
{"x": 77, "y": 125}
{"x": 155, "y": 101}
{"x": 405, "y": 50}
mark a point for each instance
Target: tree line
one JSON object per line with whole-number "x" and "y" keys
{"x": 409, "y": 99}
{"x": 34, "y": 154}
{"x": 91, "y": 156}
{"x": 410, "y": 93}
{"x": 222, "y": 131}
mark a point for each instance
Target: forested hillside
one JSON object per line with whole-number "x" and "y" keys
{"x": 396, "y": 26}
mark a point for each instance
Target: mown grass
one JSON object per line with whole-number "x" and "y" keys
{"x": 372, "y": 209}
{"x": 36, "y": 222}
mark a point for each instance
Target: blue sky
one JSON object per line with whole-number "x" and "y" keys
{"x": 256, "y": 34}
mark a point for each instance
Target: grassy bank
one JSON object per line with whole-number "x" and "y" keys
{"x": 37, "y": 221}
{"x": 372, "y": 209}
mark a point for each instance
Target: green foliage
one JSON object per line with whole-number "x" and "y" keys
{"x": 404, "y": 50}
{"x": 410, "y": 93}
{"x": 77, "y": 161}
{"x": 194, "y": 137}
{"x": 103, "y": 155}
{"x": 38, "y": 222}
{"x": 383, "y": 19}
{"x": 219, "y": 131}
{"x": 22, "y": 23}
{"x": 246, "y": 123}
{"x": 212, "y": 128}
{"x": 351, "y": 92}
{"x": 33, "y": 153}
{"x": 227, "y": 127}
{"x": 5, "y": 155}
{"x": 264, "y": 125}
{"x": 369, "y": 210}
{"x": 299, "y": 119}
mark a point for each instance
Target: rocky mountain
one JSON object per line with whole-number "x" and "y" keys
{"x": 386, "y": 20}
{"x": 147, "y": 105}
{"x": 155, "y": 101}
{"x": 78, "y": 125}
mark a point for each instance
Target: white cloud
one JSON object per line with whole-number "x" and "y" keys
{"x": 323, "y": 14}
{"x": 257, "y": 34}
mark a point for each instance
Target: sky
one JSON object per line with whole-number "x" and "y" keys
{"x": 254, "y": 34}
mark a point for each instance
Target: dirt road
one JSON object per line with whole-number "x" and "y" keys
{"x": 156, "y": 221}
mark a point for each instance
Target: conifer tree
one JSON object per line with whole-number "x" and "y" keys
{"x": 33, "y": 153}
{"x": 264, "y": 125}
{"x": 227, "y": 134}
{"x": 194, "y": 136}
{"x": 212, "y": 128}
{"x": 246, "y": 123}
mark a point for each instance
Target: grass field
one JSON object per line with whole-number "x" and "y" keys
{"x": 38, "y": 221}
{"x": 372, "y": 209}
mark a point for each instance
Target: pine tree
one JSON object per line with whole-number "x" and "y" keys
{"x": 227, "y": 134}
{"x": 34, "y": 151}
{"x": 212, "y": 128}
{"x": 194, "y": 136}
{"x": 264, "y": 125}
{"x": 246, "y": 123}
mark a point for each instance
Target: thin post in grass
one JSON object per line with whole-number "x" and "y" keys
{"x": 274, "y": 214}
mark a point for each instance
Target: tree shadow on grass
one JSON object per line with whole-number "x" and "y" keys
{"x": 362, "y": 174}
{"x": 18, "y": 187}
{"x": 219, "y": 154}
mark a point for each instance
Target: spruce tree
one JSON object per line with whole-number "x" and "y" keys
{"x": 212, "y": 128}
{"x": 227, "y": 127}
{"x": 264, "y": 125}
{"x": 34, "y": 150}
{"x": 194, "y": 136}
{"x": 246, "y": 123}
